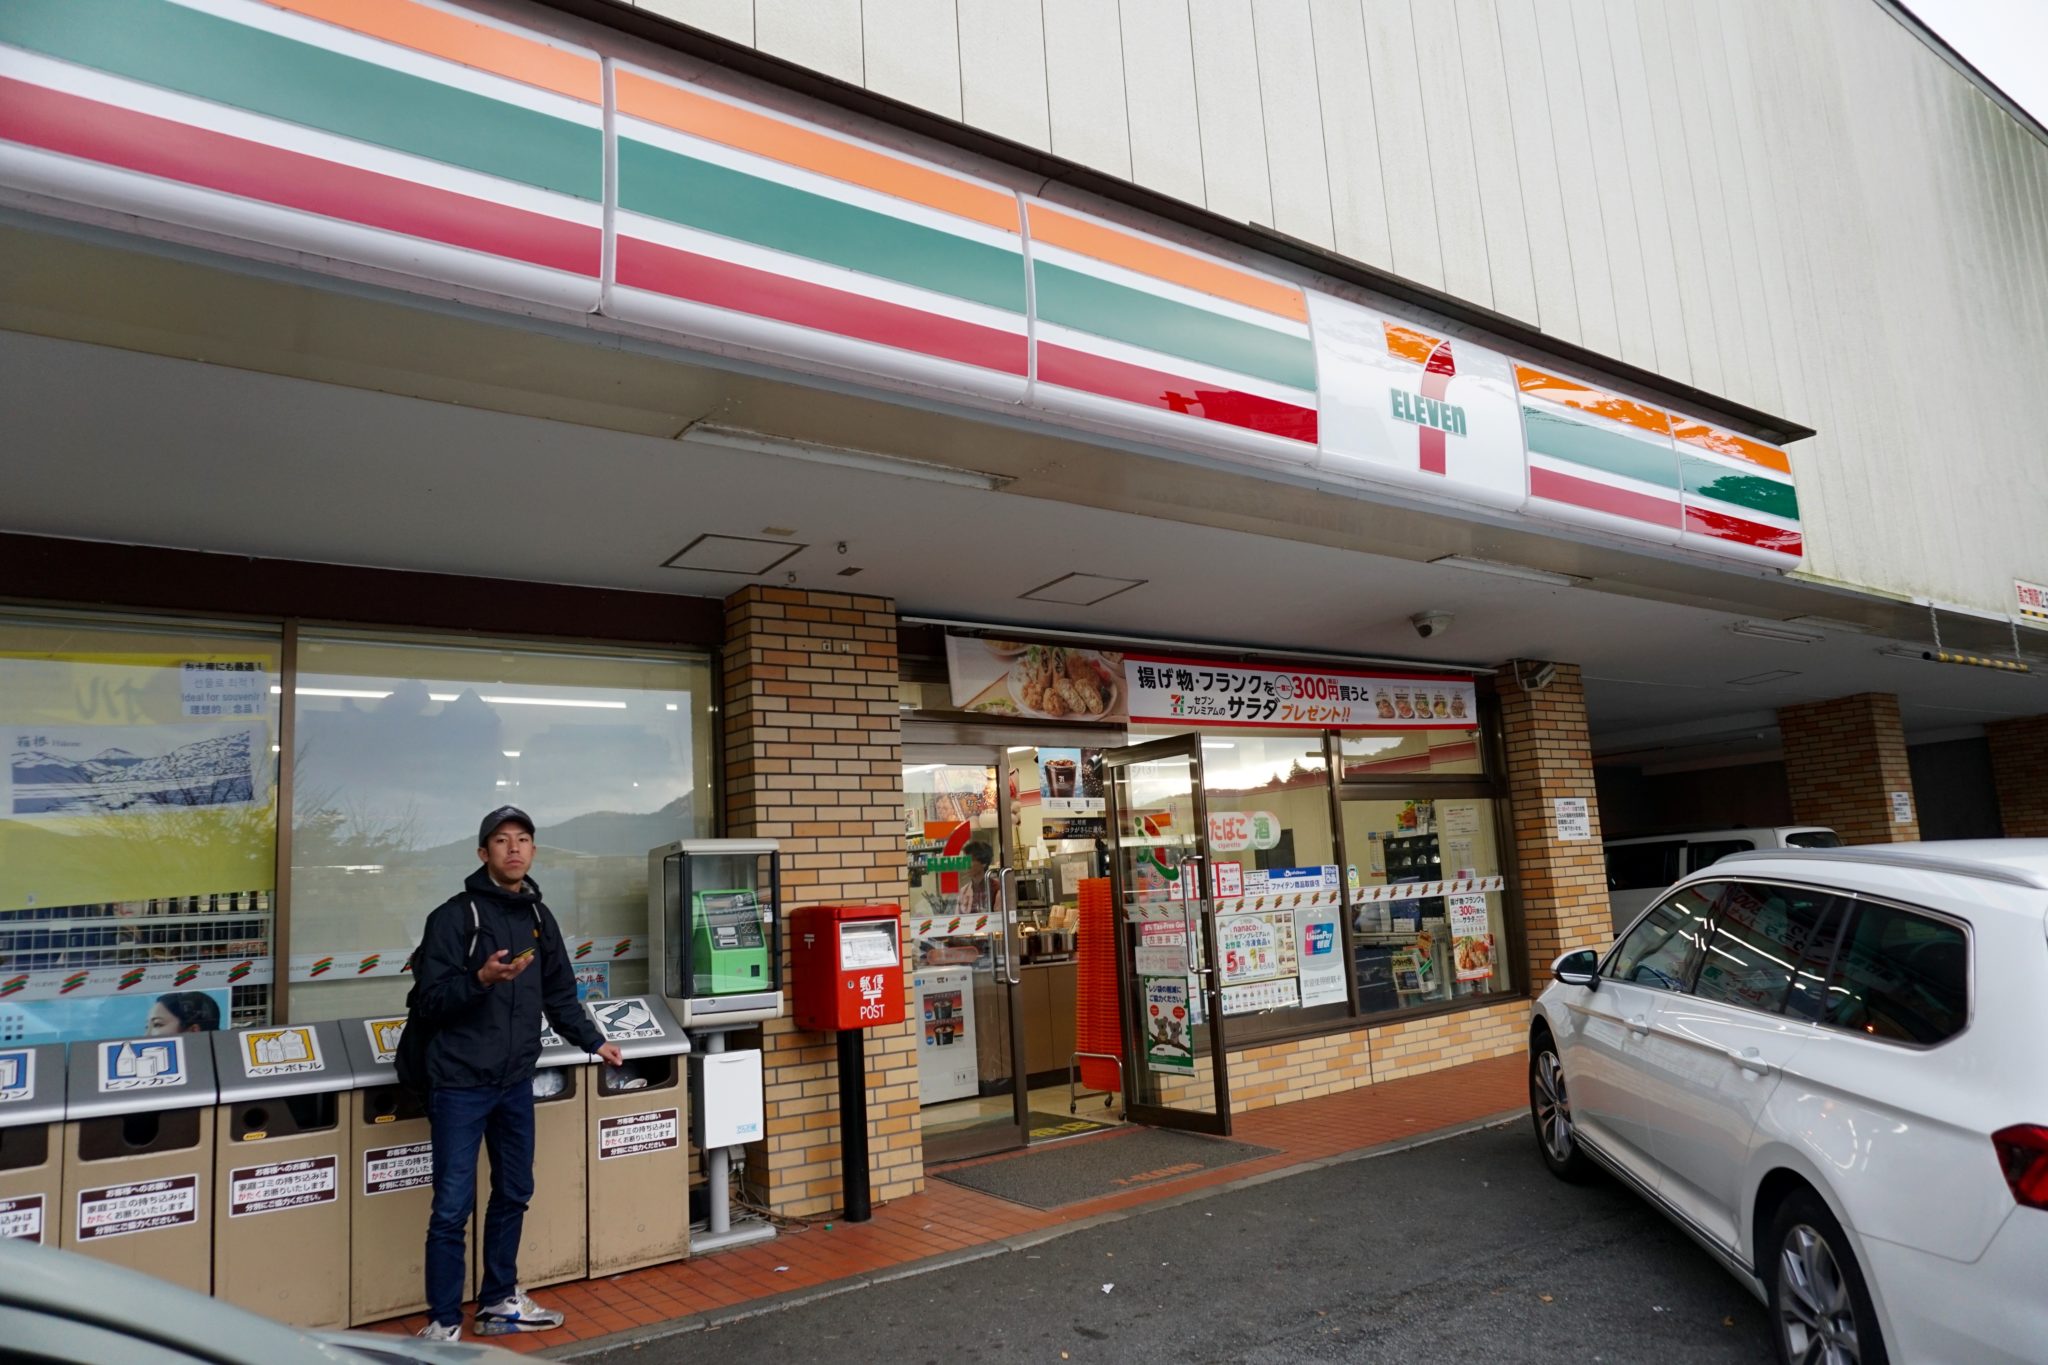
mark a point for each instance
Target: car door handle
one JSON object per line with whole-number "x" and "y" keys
{"x": 1749, "y": 1059}
{"x": 1637, "y": 1024}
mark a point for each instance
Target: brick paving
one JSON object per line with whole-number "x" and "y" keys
{"x": 948, "y": 1218}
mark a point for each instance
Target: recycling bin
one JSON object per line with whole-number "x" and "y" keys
{"x": 31, "y": 1132}
{"x": 555, "y": 1243}
{"x": 138, "y": 1156}
{"x": 638, "y": 1160}
{"x": 281, "y": 1172}
{"x": 391, "y": 1171}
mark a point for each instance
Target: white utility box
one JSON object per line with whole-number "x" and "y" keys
{"x": 727, "y": 1108}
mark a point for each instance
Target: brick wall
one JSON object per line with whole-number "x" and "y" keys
{"x": 1843, "y": 760}
{"x": 814, "y": 759}
{"x": 1550, "y": 756}
{"x": 2019, "y": 773}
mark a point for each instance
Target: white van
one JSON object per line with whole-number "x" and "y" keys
{"x": 1638, "y": 869}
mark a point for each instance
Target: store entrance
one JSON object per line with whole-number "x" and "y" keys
{"x": 995, "y": 867}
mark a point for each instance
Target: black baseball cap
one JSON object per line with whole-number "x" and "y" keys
{"x": 502, "y": 815}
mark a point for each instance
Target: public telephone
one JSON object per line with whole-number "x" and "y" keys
{"x": 712, "y": 911}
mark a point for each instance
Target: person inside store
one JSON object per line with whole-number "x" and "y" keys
{"x": 490, "y": 963}
{"x": 182, "y": 1012}
{"x": 976, "y": 895}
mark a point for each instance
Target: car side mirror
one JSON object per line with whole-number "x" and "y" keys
{"x": 1581, "y": 968}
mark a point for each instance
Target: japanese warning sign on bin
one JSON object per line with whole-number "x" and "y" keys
{"x": 145, "y": 1206}
{"x": 634, "y": 1134}
{"x": 22, "y": 1219}
{"x": 283, "y": 1185}
{"x": 387, "y": 1170}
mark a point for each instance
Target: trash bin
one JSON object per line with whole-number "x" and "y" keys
{"x": 555, "y": 1242}
{"x": 31, "y": 1147}
{"x": 639, "y": 1114}
{"x": 138, "y": 1156}
{"x": 282, "y": 1172}
{"x": 391, "y": 1168}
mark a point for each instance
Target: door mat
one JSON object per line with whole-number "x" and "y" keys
{"x": 1070, "y": 1172}
{"x": 1053, "y": 1127}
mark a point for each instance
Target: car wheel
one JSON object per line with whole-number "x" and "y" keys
{"x": 1550, "y": 1109}
{"x": 1821, "y": 1312}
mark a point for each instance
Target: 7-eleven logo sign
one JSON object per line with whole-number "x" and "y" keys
{"x": 1426, "y": 409}
{"x": 951, "y": 836}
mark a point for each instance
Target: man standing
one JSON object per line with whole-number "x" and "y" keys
{"x": 490, "y": 964}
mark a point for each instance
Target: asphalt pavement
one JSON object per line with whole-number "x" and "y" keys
{"x": 1458, "y": 1251}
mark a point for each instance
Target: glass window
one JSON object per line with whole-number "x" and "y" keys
{"x": 1901, "y": 976}
{"x": 1707, "y": 854}
{"x": 401, "y": 746}
{"x": 1662, "y": 950}
{"x": 1814, "y": 838}
{"x": 1428, "y": 904}
{"x": 1761, "y": 935}
{"x": 138, "y": 827}
{"x": 1643, "y": 867}
{"x": 1375, "y": 754}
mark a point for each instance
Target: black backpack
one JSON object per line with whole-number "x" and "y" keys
{"x": 409, "y": 1059}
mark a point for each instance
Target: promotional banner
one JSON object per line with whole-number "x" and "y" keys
{"x": 1322, "y": 959}
{"x": 1036, "y": 681}
{"x": 1471, "y": 938}
{"x": 1193, "y": 692}
{"x": 1169, "y": 1028}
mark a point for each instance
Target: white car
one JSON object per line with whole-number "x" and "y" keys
{"x": 1830, "y": 1068}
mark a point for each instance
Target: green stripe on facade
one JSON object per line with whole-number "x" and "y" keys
{"x": 1609, "y": 452}
{"x": 196, "y": 54}
{"x": 1706, "y": 479}
{"x": 718, "y": 199}
{"x": 1101, "y": 308}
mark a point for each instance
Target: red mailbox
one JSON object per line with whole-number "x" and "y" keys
{"x": 848, "y": 967}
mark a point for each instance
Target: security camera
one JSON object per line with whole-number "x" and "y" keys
{"x": 1429, "y": 624}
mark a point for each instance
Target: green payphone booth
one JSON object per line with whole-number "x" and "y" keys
{"x": 714, "y": 926}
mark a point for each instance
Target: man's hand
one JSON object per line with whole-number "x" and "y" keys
{"x": 498, "y": 969}
{"x": 611, "y": 1055}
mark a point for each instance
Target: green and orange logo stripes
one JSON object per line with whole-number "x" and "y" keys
{"x": 368, "y": 963}
{"x": 73, "y": 982}
{"x": 132, "y": 977}
{"x": 321, "y": 967}
{"x": 13, "y": 985}
{"x": 187, "y": 974}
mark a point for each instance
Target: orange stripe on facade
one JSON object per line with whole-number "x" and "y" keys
{"x": 672, "y": 106}
{"x": 1601, "y": 404}
{"x": 1729, "y": 444}
{"x": 1112, "y": 247}
{"x": 1409, "y": 344}
{"x": 463, "y": 41}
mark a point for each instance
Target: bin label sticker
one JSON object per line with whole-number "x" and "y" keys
{"x": 383, "y": 1035}
{"x": 146, "y": 1206}
{"x": 623, "y": 1021}
{"x": 548, "y": 1037}
{"x": 387, "y": 1170}
{"x": 283, "y": 1185}
{"x": 281, "y": 1052}
{"x": 21, "y": 1219}
{"x": 633, "y": 1134}
{"x": 17, "y": 1074}
{"x": 142, "y": 1064}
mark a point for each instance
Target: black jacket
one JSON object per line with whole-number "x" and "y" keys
{"x": 490, "y": 1035}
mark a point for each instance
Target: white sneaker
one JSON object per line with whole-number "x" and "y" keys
{"x": 435, "y": 1331}
{"x": 516, "y": 1314}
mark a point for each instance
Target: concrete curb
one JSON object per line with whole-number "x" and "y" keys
{"x": 797, "y": 1298}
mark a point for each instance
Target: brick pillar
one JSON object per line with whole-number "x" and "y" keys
{"x": 2019, "y": 772}
{"x": 1550, "y": 757}
{"x": 814, "y": 759}
{"x": 1843, "y": 760}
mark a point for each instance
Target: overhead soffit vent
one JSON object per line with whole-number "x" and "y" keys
{"x": 1081, "y": 589}
{"x": 1761, "y": 679}
{"x": 745, "y": 556}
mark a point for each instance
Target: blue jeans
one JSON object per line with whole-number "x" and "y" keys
{"x": 503, "y": 1119}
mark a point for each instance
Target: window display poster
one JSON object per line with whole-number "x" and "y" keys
{"x": 1574, "y": 819}
{"x": 1162, "y": 948}
{"x": 1322, "y": 961}
{"x": 1458, "y": 821}
{"x": 114, "y": 791}
{"x": 1203, "y": 692}
{"x": 1229, "y": 879}
{"x": 593, "y": 981}
{"x": 1169, "y": 1028}
{"x": 1471, "y": 937}
{"x": 1256, "y": 947}
{"x": 1257, "y": 997}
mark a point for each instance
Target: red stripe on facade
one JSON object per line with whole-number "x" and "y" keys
{"x": 93, "y": 131}
{"x": 1721, "y": 526}
{"x": 1095, "y": 374}
{"x": 1599, "y": 497}
{"x": 1436, "y": 382}
{"x": 742, "y": 289}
